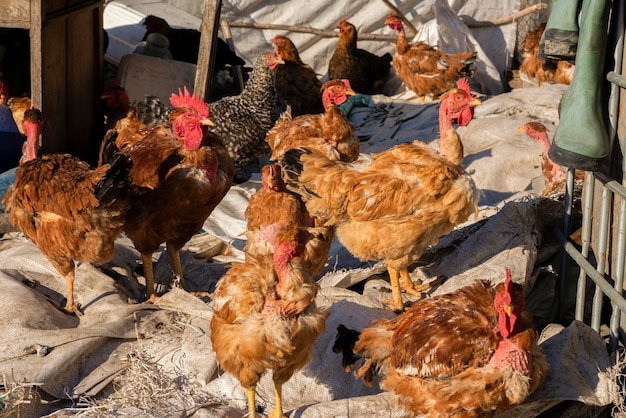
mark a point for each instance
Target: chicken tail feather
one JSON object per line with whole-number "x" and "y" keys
{"x": 345, "y": 340}
{"x": 116, "y": 182}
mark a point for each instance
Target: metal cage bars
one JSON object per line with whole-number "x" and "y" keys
{"x": 612, "y": 194}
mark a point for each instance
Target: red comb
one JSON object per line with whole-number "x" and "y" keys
{"x": 193, "y": 101}
{"x": 463, "y": 84}
{"x": 342, "y": 22}
{"x": 346, "y": 83}
{"x": 508, "y": 283}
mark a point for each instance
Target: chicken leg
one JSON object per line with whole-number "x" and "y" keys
{"x": 400, "y": 280}
{"x": 71, "y": 306}
{"x": 67, "y": 267}
{"x": 278, "y": 409}
{"x": 148, "y": 273}
{"x": 251, "y": 404}
{"x": 176, "y": 266}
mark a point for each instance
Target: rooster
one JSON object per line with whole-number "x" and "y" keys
{"x": 425, "y": 69}
{"x": 462, "y": 354}
{"x": 394, "y": 205}
{"x": 243, "y": 121}
{"x": 70, "y": 210}
{"x": 330, "y": 132}
{"x": 253, "y": 330}
{"x": 539, "y": 69}
{"x": 297, "y": 84}
{"x": 180, "y": 173}
{"x": 366, "y": 72}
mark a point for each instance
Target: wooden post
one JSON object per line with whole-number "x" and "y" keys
{"x": 206, "y": 53}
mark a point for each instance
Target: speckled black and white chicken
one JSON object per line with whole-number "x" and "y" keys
{"x": 243, "y": 121}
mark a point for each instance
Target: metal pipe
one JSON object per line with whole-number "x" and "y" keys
{"x": 619, "y": 276}
{"x": 587, "y": 207}
{"x": 603, "y": 241}
{"x": 593, "y": 274}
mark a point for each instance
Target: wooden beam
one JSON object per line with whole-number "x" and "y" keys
{"x": 206, "y": 53}
{"x": 315, "y": 31}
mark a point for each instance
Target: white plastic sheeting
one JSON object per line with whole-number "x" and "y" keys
{"x": 438, "y": 23}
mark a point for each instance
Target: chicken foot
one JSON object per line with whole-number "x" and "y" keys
{"x": 174, "y": 254}
{"x": 401, "y": 281}
{"x": 278, "y": 408}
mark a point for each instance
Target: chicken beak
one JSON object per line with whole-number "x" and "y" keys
{"x": 475, "y": 102}
{"x": 508, "y": 309}
{"x": 520, "y": 129}
{"x": 350, "y": 92}
{"x": 206, "y": 122}
{"x": 105, "y": 96}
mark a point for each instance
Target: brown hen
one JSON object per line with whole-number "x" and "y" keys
{"x": 425, "y": 69}
{"x": 277, "y": 219}
{"x": 394, "y": 205}
{"x": 70, "y": 210}
{"x": 297, "y": 84}
{"x": 366, "y": 72}
{"x": 252, "y": 331}
{"x": 330, "y": 132}
{"x": 539, "y": 69}
{"x": 463, "y": 354}
{"x": 180, "y": 174}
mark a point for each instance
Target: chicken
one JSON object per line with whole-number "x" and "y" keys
{"x": 286, "y": 225}
{"x": 243, "y": 121}
{"x": 185, "y": 43}
{"x": 253, "y": 330}
{"x": 541, "y": 70}
{"x": 366, "y": 72}
{"x": 181, "y": 173}
{"x": 425, "y": 69}
{"x": 397, "y": 203}
{"x": 297, "y": 84}
{"x": 462, "y": 354}
{"x": 18, "y": 106}
{"x": 79, "y": 225}
{"x": 116, "y": 103}
{"x": 32, "y": 124}
{"x": 330, "y": 132}
{"x": 553, "y": 173}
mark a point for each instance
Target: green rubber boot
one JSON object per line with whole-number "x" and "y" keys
{"x": 560, "y": 38}
{"x": 581, "y": 140}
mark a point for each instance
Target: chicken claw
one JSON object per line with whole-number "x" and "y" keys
{"x": 75, "y": 309}
{"x": 417, "y": 290}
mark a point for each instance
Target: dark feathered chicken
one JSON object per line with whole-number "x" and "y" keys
{"x": 297, "y": 84}
{"x": 182, "y": 172}
{"x": 365, "y": 71}
{"x": 243, "y": 121}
